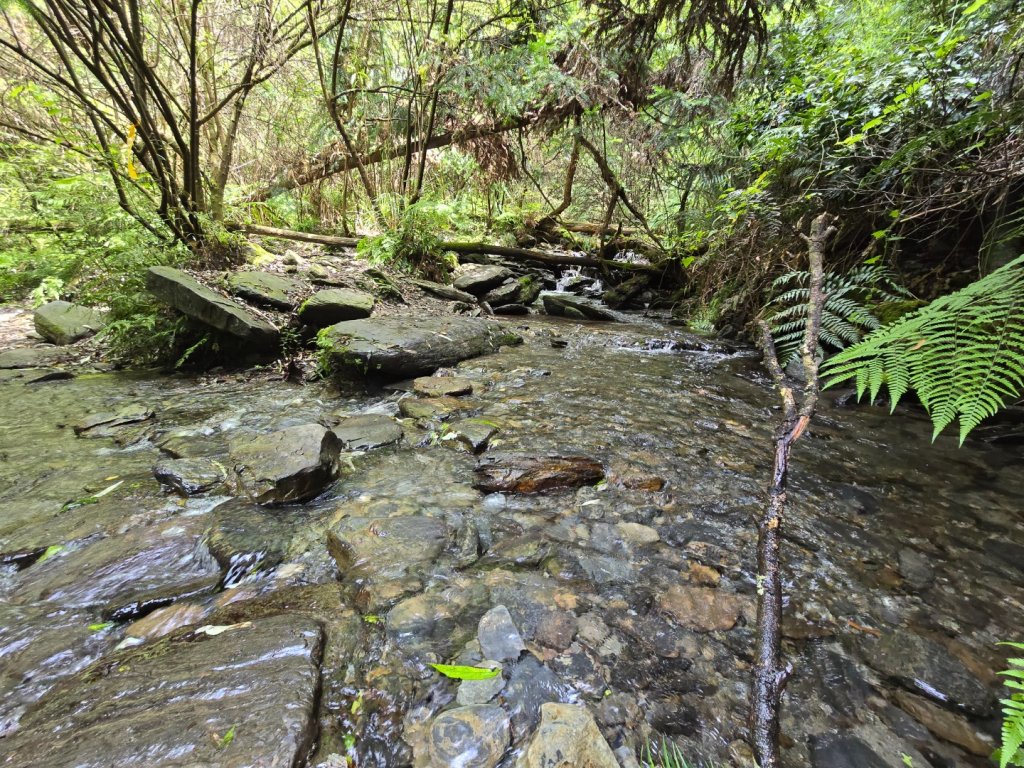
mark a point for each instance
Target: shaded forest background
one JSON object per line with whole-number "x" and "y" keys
{"x": 699, "y": 136}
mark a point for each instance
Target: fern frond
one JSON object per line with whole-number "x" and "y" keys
{"x": 963, "y": 354}
{"x": 1013, "y": 712}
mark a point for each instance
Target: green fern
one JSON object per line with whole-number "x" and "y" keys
{"x": 847, "y": 315}
{"x": 963, "y": 354}
{"x": 1010, "y": 753}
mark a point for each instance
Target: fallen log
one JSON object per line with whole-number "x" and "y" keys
{"x": 488, "y": 249}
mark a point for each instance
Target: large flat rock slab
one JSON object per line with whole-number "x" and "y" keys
{"x": 397, "y": 348}
{"x": 175, "y": 702}
{"x": 192, "y": 298}
{"x": 265, "y": 289}
{"x": 293, "y": 464}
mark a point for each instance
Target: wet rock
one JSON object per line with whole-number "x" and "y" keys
{"x": 530, "y": 685}
{"x": 175, "y": 702}
{"x": 519, "y": 551}
{"x": 704, "y": 575}
{"x": 945, "y": 725}
{"x": 398, "y": 347}
{"x": 430, "y": 408}
{"x": 843, "y": 686}
{"x": 62, "y": 323}
{"x": 191, "y": 298}
{"x": 291, "y": 465}
{"x": 246, "y": 538}
{"x": 474, "y": 434}
{"x": 471, "y": 737}
{"x": 523, "y": 473}
{"x": 444, "y": 291}
{"x": 107, "y": 424}
{"x": 335, "y": 305}
{"x": 567, "y": 737}
{"x": 189, "y": 446}
{"x": 438, "y": 622}
{"x": 605, "y": 569}
{"x": 478, "y": 280}
{"x": 927, "y": 668}
{"x": 638, "y": 534}
{"x": 442, "y": 386}
{"x": 843, "y": 750}
{"x": 481, "y": 691}
{"x": 126, "y": 576}
{"x": 190, "y": 477}
{"x": 367, "y": 432}
{"x": 30, "y": 357}
{"x": 567, "y": 305}
{"x": 163, "y": 621}
{"x": 702, "y": 608}
{"x": 499, "y": 639}
{"x": 916, "y": 568}
{"x": 385, "y": 557}
{"x": 265, "y": 289}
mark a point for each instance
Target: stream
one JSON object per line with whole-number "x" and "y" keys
{"x": 143, "y": 627}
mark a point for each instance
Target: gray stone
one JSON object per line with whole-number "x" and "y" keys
{"x": 499, "y": 639}
{"x": 175, "y": 702}
{"x": 444, "y": 291}
{"x": 927, "y": 668}
{"x": 469, "y": 737}
{"x": 842, "y": 750}
{"x": 916, "y": 568}
{"x": 442, "y": 386}
{"x": 126, "y": 576}
{"x": 512, "y": 309}
{"x": 190, "y": 477}
{"x": 30, "y": 357}
{"x": 478, "y": 280}
{"x": 430, "y": 408}
{"x": 567, "y": 737}
{"x": 530, "y": 685}
{"x": 246, "y": 538}
{"x": 368, "y": 431}
{"x": 475, "y": 434}
{"x": 191, "y": 298}
{"x": 396, "y": 348}
{"x": 62, "y": 323}
{"x": 266, "y": 289}
{"x": 335, "y": 305}
{"x": 567, "y": 305}
{"x": 291, "y": 465}
{"x": 481, "y": 691}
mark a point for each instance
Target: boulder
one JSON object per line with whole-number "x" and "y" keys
{"x": 470, "y": 737}
{"x": 191, "y": 298}
{"x": 335, "y": 305}
{"x": 62, "y": 323}
{"x": 265, "y": 289}
{"x": 291, "y": 465}
{"x": 444, "y": 291}
{"x": 523, "y": 473}
{"x": 190, "y": 477}
{"x": 397, "y": 347}
{"x": 236, "y": 695}
{"x": 567, "y": 737}
{"x": 367, "y": 431}
{"x": 522, "y": 291}
{"x": 567, "y": 305}
{"x": 478, "y": 280}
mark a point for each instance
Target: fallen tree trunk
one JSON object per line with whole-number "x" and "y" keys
{"x": 524, "y": 254}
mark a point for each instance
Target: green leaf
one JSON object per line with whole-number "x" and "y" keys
{"x": 100, "y": 627}
{"x": 456, "y": 672}
{"x": 227, "y": 738}
{"x": 50, "y": 552}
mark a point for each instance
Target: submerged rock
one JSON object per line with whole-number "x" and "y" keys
{"x": 239, "y": 696}
{"x": 398, "y": 348}
{"x": 191, "y": 298}
{"x": 265, "y": 289}
{"x": 499, "y": 639}
{"x": 702, "y": 608}
{"x": 291, "y": 465}
{"x": 335, "y": 305}
{"x": 478, "y": 280}
{"x": 62, "y": 323}
{"x": 190, "y": 477}
{"x": 529, "y": 687}
{"x": 567, "y": 305}
{"x": 470, "y": 737}
{"x": 107, "y": 424}
{"x": 368, "y": 431}
{"x": 246, "y": 538}
{"x": 523, "y": 473}
{"x": 388, "y": 547}
{"x": 567, "y": 737}
{"x": 474, "y": 434}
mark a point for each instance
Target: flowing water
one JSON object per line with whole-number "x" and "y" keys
{"x": 905, "y": 559}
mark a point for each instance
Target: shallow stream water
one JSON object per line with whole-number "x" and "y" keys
{"x": 905, "y": 559}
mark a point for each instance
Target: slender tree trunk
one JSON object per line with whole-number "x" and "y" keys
{"x": 770, "y": 673}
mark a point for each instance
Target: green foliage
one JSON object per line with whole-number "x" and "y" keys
{"x": 666, "y": 755}
{"x": 1010, "y": 752}
{"x": 963, "y": 354}
{"x": 847, "y": 315}
{"x": 414, "y": 244}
